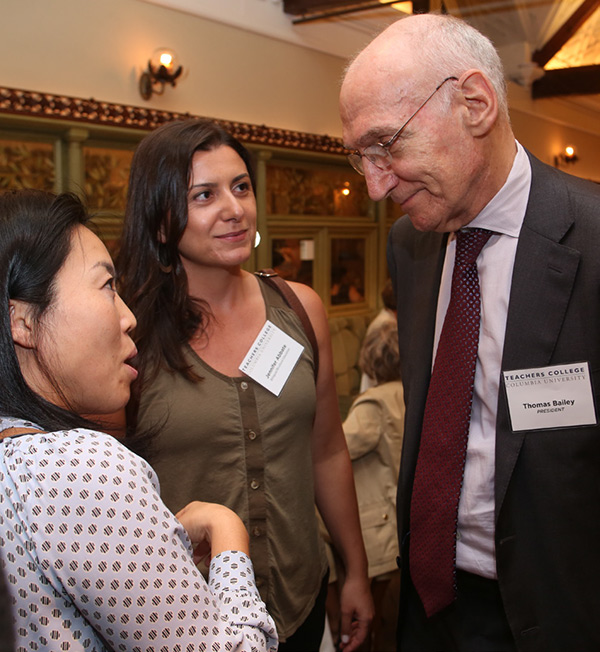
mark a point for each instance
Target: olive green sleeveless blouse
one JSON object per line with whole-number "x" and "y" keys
{"x": 230, "y": 441}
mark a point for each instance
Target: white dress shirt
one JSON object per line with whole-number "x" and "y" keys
{"x": 504, "y": 214}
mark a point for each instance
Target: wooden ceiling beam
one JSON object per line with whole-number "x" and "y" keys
{"x": 584, "y": 80}
{"x": 311, "y": 10}
{"x": 301, "y": 7}
{"x": 424, "y": 6}
{"x": 564, "y": 33}
{"x": 419, "y": 7}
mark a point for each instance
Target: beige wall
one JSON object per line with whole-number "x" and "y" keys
{"x": 546, "y": 127}
{"x": 98, "y": 48}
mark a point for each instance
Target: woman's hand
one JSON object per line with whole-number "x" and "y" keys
{"x": 334, "y": 485}
{"x": 356, "y": 608}
{"x": 212, "y": 529}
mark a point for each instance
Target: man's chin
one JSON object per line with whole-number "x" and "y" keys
{"x": 422, "y": 222}
{"x": 419, "y": 226}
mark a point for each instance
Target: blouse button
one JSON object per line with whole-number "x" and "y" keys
{"x": 244, "y": 385}
{"x": 256, "y": 531}
{"x": 251, "y": 435}
{"x": 254, "y": 484}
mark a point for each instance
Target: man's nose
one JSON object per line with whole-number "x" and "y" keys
{"x": 379, "y": 182}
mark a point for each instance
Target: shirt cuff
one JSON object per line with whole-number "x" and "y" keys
{"x": 232, "y": 570}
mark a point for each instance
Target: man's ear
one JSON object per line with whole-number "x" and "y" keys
{"x": 21, "y": 323}
{"x": 480, "y": 101}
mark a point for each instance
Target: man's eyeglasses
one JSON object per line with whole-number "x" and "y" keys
{"x": 379, "y": 154}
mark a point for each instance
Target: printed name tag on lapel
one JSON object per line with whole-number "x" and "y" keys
{"x": 550, "y": 397}
{"x": 271, "y": 358}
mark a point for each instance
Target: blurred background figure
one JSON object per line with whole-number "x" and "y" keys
{"x": 374, "y": 429}
{"x": 286, "y": 262}
{"x": 343, "y": 288}
{"x": 387, "y": 315}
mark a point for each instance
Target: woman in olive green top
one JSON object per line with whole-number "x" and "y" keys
{"x": 269, "y": 443}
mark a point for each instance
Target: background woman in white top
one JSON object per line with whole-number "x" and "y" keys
{"x": 374, "y": 431}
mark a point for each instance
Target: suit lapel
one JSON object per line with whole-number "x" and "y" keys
{"x": 417, "y": 303}
{"x": 543, "y": 278}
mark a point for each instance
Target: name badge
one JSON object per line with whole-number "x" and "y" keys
{"x": 271, "y": 358}
{"x": 550, "y": 397}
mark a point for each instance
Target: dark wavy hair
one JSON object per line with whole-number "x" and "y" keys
{"x": 36, "y": 229}
{"x": 152, "y": 280}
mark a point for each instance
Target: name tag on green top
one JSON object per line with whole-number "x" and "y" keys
{"x": 271, "y": 358}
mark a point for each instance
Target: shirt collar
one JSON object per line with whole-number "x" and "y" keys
{"x": 506, "y": 211}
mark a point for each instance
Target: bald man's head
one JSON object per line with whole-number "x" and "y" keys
{"x": 423, "y": 106}
{"x": 423, "y": 48}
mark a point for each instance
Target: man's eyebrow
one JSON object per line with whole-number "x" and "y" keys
{"x": 373, "y": 135}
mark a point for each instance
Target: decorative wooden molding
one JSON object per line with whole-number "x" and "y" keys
{"x": 46, "y": 105}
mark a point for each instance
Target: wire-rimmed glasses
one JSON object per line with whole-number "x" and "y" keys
{"x": 379, "y": 154}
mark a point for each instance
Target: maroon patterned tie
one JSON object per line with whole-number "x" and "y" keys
{"x": 442, "y": 452}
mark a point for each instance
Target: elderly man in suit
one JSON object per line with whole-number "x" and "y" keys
{"x": 496, "y": 268}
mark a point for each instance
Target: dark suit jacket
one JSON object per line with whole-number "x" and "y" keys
{"x": 547, "y": 482}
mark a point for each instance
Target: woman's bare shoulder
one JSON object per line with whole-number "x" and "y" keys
{"x": 308, "y": 297}
{"x": 12, "y": 432}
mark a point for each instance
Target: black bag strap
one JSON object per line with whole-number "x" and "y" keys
{"x": 271, "y": 278}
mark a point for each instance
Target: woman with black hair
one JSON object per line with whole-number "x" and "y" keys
{"x": 93, "y": 559}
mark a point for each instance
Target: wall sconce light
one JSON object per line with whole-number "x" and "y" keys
{"x": 162, "y": 69}
{"x": 568, "y": 156}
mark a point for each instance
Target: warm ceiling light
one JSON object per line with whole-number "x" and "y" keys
{"x": 162, "y": 69}
{"x": 404, "y": 7}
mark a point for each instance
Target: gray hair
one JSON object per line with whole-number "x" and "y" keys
{"x": 448, "y": 47}
{"x": 452, "y": 46}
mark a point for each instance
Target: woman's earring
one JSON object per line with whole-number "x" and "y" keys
{"x": 256, "y": 239}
